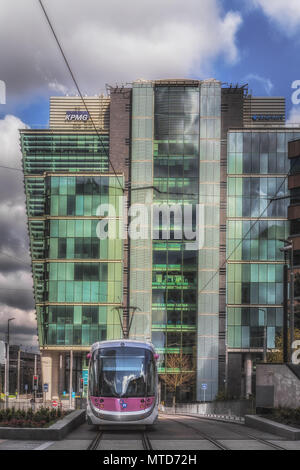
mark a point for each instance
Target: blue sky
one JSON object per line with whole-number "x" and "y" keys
{"x": 266, "y": 51}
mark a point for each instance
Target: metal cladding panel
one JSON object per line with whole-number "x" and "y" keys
{"x": 259, "y": 111}
{"x": 141, "y": 193}
{"x": 208, "y": 279}
{"x": 61, "y": 108}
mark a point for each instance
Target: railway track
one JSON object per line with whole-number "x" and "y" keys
{"x": 146, "y": 441}
{"x": 143, "y": 437}
{"x": 205, "y": 436}
{"x": 96, "y": 441}
{"x": 94, "y": 445}
{"x": 243, "y": 434}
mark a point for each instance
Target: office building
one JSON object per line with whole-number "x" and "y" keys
{"x": 178, "y": 142}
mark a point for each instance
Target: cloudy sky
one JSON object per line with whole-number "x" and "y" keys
{"x": 107, "y": 42}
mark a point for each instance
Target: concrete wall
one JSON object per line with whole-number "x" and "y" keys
{"x": 276, "y": 386}
{"x": 50, "y": 373}
{"x": 228, "y": 408}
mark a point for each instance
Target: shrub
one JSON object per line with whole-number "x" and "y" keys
{"x": 29, "y": 418}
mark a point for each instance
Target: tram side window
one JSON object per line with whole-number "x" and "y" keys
{"x": 150, "y": 378}
{"x": 93, "y": 379}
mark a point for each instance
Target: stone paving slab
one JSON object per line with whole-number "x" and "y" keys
{"x": 69, "y": 445}
{"x": 19, "y": 445}
{"x": 121, "y": 445}
{"x": 288, "y": 445}
{"x": 183, "y": 445}
{"x": 245, "y": 445}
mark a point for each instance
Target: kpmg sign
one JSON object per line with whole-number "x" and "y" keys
{"x": 268, "y": 117}
{"x": 77, "y": 116}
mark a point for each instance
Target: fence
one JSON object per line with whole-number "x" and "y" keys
{"x": 25, "y": 404}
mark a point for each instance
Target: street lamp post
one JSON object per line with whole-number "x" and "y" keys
{"x": 7, "y": 365}
{"x": 292, "y": 277}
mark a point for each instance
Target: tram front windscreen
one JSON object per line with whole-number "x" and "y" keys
{"x": 122, "y": 372}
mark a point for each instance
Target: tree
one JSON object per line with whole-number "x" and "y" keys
{"x": 180, "y": 373}
{"x": 277, "y": 354}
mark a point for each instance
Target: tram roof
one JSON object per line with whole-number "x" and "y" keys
{"x": 121, "y": 343}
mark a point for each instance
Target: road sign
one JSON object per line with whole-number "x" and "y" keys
{"x": 46, "y": 387}
{"x": 54, "y": 404}
{"x": 26, "y": 387}
{"x": 85, "y": 376}
{"x": 204, "y": 387}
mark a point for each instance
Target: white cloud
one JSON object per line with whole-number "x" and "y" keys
{"x": 58, "y": 87}
{"x": 265, "y": 82}
{"x": 285, "y": 13}
{"x": 111, "y": 41}
{"x": 15, "y": 272}
{"x": 10, "y": 154}
{"x": 22, "y": 329}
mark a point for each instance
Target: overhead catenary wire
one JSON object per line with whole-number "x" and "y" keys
{"x": 11, "y": 168}
{"x": 78, "y": 89}
{"x": 26, "y": 263}
{"x": 237, "y": 245}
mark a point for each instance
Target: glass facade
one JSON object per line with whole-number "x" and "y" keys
{"x": 77, "y": 276}
{"x": 174, "y": 269}
{"x": 176, "y": 132}
{"x": 257, "y": 168}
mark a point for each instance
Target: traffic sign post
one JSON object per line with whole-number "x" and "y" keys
{"x": 85, "y": 378}
{"x": 35, "y": 384}
{"x": 204, "y": 387}
{"x": 45, "y": 390}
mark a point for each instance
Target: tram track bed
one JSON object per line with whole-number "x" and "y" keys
{"x": 172, "y": 434}
{"x": 250, "y": 440}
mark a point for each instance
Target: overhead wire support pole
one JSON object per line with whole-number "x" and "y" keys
{"x": 71, "y": 379}
{"x": 292, "y": 307}
{"x": 289, "y": 247}
{"x": 18, "y": 373}
{"x": 285, "y": 332}
{"x": 7, "y": 365}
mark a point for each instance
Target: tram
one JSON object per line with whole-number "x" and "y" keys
{"x": 122, "y": 383}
